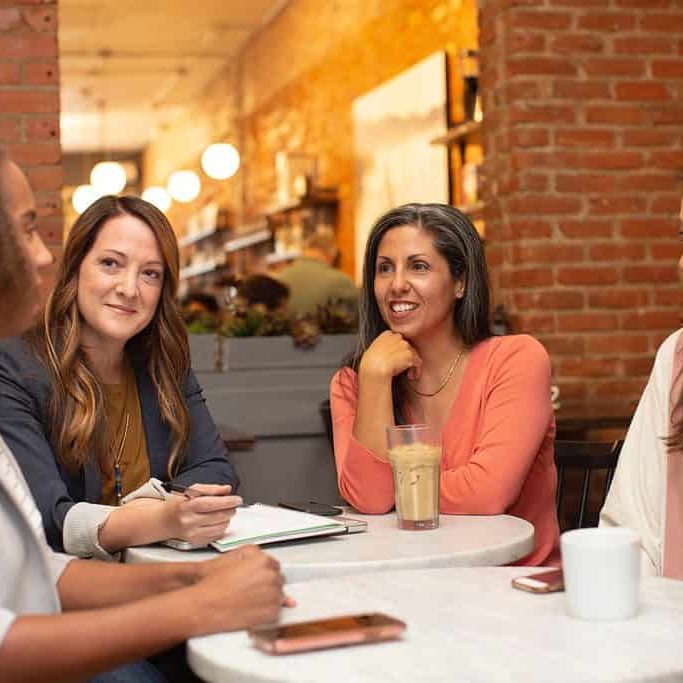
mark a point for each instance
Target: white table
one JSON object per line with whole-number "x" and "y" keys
{"x": 463, "y": 625}
{"x": 460, "y": 541}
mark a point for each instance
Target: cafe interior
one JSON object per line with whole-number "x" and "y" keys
{"x": 554, "y": 126}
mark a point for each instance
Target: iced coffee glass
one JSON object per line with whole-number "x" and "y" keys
{"x": 415, "y": 455}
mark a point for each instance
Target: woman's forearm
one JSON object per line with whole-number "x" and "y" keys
{"x": 136, "y": 523}
{"x": 374, "y": 413}
{"x": 89, "y": 584}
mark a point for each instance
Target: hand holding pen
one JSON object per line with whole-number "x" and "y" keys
{"x": 200, "y": 513}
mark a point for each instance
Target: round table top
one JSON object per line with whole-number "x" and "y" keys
{"x": 458, "y": 541}
{"x": 463, "y": 624}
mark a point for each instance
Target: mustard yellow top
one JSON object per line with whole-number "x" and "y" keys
{"x": 128, "y": 447}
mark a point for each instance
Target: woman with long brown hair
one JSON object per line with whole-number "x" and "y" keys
{"x": 115, "y": 614}
{"x": 99, "y": 401}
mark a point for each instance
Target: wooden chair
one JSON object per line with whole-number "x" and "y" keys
{"x": 584, "y": 458}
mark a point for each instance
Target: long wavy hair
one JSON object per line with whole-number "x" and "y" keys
{"x": 77, "y": 419}
{"x": 456, "y": 239}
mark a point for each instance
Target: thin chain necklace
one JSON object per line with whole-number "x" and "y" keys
{"x": 118, "y": 479}
{"x": 444, "y": 381}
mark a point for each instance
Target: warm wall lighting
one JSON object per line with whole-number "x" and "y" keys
{"x": 84, "y": 196}
{"x": 108, "y": 177}
{"x": 220, "y": 161}
{"x": 159, "y": 197}
{"x": 184, "y": 186}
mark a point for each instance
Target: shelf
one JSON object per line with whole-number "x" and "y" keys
{"x": 457, "y": 133}
{"x": 200, "y": 269}
{"x": 197, "y": 237}
{"x": 475, "y": 209}
{"x": 247, "y": 240}
{"x": 274, "y": 258}
{"x": 306, "y": 202}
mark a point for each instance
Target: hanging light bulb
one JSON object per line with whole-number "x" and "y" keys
{"x": 109, "y": 177}
{"x": 184, "y": 186}
{"x": 84, "y": 196}
{"x": 158, "y": 196}
{"x": 220, "y": 161}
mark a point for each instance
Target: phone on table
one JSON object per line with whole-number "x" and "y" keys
{"x": 312, "y": 507}
{"x": 543, "y": 582}
{"x": 353, "y": 629}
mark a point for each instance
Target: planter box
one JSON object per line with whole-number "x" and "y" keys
{"x": 269, "y": 388}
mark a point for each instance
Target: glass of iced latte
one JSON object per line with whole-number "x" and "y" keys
{"x": 415, "y": 455}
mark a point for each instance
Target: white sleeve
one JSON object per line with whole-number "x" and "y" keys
{"x": 82, "y": 526}
{"x": 636, "y": 496}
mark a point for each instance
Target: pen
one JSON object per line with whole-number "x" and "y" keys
{"x": 179, "y": 488}
{"x": 187, "y": 491}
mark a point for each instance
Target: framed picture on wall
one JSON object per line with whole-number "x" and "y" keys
{"x": 395, "y": 162}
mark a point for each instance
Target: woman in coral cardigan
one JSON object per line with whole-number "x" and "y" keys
{"x": 426, "y": 355}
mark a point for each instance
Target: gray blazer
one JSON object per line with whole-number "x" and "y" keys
{"x": 25, "y": 426}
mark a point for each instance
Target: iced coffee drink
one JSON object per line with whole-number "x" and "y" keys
{"x": 415, "y": 456}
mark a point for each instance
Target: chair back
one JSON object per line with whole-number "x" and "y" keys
{"x": 577, "y": 462}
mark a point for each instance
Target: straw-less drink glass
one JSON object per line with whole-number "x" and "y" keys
{"x": 415, "y": 456}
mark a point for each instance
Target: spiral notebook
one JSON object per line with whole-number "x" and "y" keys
{"x": 262, "y": 524}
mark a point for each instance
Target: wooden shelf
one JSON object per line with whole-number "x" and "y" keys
{"x": 306, "y": 202}
{"x": 247, "y": 240}
{"x": 196, "y": 237}
{"x": 457, "y": 133}
{"x": 273, "y": 258}
{"x": 200, "y": 269}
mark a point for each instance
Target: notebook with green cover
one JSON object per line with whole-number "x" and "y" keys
{"x": 262, "y": 524}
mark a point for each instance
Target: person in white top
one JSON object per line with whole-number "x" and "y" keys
{"x": 115, "y": 614}
{"x": 647, "y": 491}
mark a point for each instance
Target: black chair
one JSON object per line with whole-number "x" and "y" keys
{"x": 326, "y": 415}
{"x": 584, "y": 458}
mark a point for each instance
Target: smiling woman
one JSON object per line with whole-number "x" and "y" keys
{"x": 99, "y": 401}
{"x": 426, "y": 355}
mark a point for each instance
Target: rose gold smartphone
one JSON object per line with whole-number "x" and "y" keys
{"x": 353, "y": 629}
{"x": 544, "y": 582}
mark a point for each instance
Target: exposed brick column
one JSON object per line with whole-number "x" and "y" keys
{"x": 29, "y": 103}
{"x": 583, "y": 105}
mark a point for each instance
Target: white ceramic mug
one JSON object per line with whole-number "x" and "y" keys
{"x": 601, "y": 572}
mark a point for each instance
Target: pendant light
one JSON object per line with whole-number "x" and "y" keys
{"x": 159, "y": 197}
{"x": 184, "y": 186}
{"x": 220, "y": 161}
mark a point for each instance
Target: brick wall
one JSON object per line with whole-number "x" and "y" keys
{"x": 583, "y": 103}
{"x": 29, "y": 103}
{"x": 292, "y": 89}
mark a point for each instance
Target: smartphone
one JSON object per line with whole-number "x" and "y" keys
{"x": 313, "y": 508}
{"x": 544, "y": 582}
{"x": 353, "y": 629}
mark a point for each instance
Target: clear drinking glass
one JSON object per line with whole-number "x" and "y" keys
{"x": 415, "y": 456}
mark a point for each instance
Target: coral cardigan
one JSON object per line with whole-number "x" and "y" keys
{"x": 497, "y": 443}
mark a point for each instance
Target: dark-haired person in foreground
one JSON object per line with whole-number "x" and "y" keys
{"x": 647, "y": 490}
{"x": 113, "y": 613}
{"x": 426, "y": 355}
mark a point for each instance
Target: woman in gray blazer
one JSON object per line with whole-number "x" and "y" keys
{"x": 99, "y": 402}
{"x": 115, "y": 613}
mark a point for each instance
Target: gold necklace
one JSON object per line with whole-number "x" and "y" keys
{"x": 444, "y": 381}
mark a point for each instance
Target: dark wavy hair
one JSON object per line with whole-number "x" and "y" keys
{"x": 78, "y": 423}
{"x": 456, "y": 239}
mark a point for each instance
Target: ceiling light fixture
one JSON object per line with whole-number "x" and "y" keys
{"x": 159, "y": 197}
{"x": 184, "y": 186}
{"x": 108, "y": 177}
{"x": 220, "y": 161}
{"x": 83, "y": 197}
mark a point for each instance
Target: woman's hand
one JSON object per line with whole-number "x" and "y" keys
{"x": 390, "y": 355}
{"x": 202, "y": 518}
